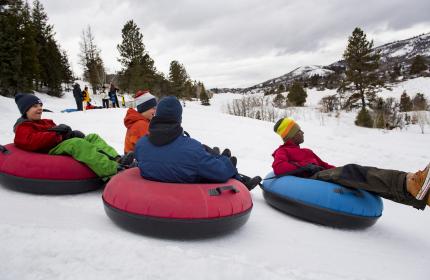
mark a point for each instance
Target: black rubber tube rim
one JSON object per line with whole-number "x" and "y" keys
{"x": 173, "y": 228}
{"x": 318, "y": 215}
{"x": 50, "y": 187}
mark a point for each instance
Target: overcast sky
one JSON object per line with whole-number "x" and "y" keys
{"x": 235, "y": 43}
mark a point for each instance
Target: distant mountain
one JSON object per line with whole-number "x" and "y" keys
{"x": 398, "y": 53}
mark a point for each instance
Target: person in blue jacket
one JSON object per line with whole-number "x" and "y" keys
{"x": 168, "y": 154}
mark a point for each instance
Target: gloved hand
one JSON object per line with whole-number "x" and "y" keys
{"x": 226, "y": 153}
{"x": 312, "y": 168}
{"x": 61, "y": 129}
{"x": 77, "y": 134}
{"x": 73, "y": 134}
{"x": 214, "y": 151}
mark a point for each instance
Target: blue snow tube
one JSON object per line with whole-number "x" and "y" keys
{"x": 322, "y": 202}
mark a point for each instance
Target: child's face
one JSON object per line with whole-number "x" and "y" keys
{"x": 148, "y": 114}
{"x": 35, "y": 112}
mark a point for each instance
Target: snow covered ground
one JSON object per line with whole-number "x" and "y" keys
{"x": 70, "y": 237}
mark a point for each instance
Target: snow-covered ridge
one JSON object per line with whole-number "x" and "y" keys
{"x": 398, "y": 52}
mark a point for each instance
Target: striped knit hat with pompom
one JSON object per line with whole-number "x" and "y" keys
{"x": 286, "y": 128}
{"x": 144, "y": 100}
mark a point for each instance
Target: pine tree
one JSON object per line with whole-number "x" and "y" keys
{"x": 418, "y": 65}
{"x": 66, "y": 71}
{"x": 361, "y": 68}
{"x": 314, "y": 80}
{"x": 204, "y": 98}
{"x": 279, "y": 100}
{"x": 138, "y": 67}
{"x": 189, "y": 90}
{"x": 10, "y": 46}
{"x": 405, "y": 102}
{"x": 364, "y": 118}
{"x": 48, "y": 52}
{"x": 43, "y": 36}
{"x": 30, "y": 63}
{"x": 419, "y": 102}
{"x": 161, "y": 85}
{"x": 178, "y": 77}
{"x": 29, "y": 56}
{"x": 297, "y": 95}
{"x": 131, "y": 49}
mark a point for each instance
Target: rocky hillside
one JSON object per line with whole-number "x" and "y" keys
{"x": 395, "y": 54}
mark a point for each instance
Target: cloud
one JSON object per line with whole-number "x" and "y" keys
{"x": 235, "y": 43}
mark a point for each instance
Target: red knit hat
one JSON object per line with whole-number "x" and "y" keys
{"x": 144, "y": 100}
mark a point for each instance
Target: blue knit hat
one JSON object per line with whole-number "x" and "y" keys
{"x": 170, "y": 108}
{"x": 25, "y": 101}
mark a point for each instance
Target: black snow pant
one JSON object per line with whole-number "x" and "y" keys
{"x": 389, "y": 184}
{"x": 105, "y": 103}
{"x": 78, "y": 104}
{"x": 116, "y": 101}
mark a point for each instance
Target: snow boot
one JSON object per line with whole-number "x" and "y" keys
{"x": 249, "y": 182}
{"x": 418, "y": 184}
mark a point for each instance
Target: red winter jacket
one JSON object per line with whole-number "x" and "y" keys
{"x": 34, "y": 135}
{"x": 289, "y": 156}
{"x": 137, "y": 126}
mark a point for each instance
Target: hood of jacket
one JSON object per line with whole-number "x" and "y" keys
{"x": 163, "y": 131}
{"x": 18, "y": 122}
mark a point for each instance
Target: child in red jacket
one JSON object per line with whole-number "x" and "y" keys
{"x": 290, "y": 159}
{"x": 32, "y": 133}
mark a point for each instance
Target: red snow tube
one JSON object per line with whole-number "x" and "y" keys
{"x": 176, "y": 210}
{"x": 44, "y": 174}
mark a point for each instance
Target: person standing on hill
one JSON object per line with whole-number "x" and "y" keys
{"x": 77, "y": 94}
{"x": 402, "y": 187}
{"x": 86, "y": 97}
{"x": 137, "y": 121}
{"x": 112, "y": 95}
{"x": 105, "y": 98}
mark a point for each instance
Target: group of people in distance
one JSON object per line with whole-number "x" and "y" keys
{"x": 166, "y": 153}
{"x": 83, "y": 100}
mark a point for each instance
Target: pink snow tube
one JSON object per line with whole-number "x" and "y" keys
{"x": 176, "y": 210}
{"x": 44, "y": 174}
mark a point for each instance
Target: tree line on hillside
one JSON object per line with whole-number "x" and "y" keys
{"x": 30, "y": 57}
{"x": 138, "y": 69}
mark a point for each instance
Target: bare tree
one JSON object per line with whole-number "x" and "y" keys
{"x": 260, "y": 108}
{"x": 91, "y": 61}
{"x": 422, "y": 119}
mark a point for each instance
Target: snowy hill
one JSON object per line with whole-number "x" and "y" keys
{"x": 70, "y": 237}
{"x": 399, "y": 52}
{"x": 406, "y": 49}
{"x": 301, "y": 72}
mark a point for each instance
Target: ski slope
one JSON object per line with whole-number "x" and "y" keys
{"x": 70, "y": 237}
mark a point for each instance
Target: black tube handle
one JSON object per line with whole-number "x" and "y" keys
{"x": 3, "y": 150}
{"x": 218, "y": 190}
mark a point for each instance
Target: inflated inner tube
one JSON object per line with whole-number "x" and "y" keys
{"x": 322, "y": 202}
{"x": 44, "y": 174}
{"x": 178, "y": 211}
